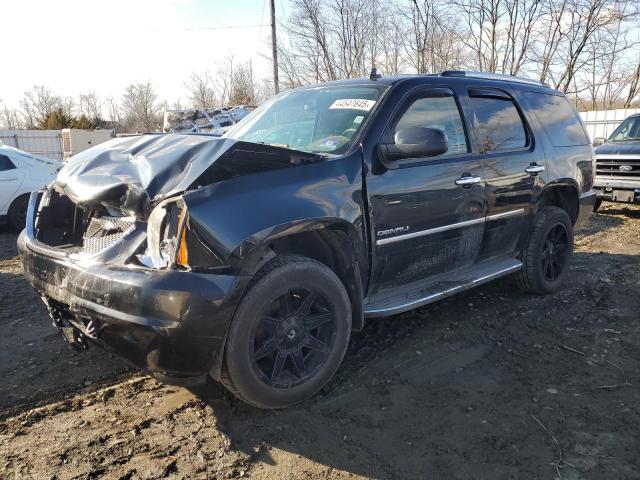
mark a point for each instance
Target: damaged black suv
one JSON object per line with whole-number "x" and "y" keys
{"x": 251, "y": 258}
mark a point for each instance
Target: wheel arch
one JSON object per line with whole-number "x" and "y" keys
{"x": 333, "y": 242}
{"x": 561, "y": 194}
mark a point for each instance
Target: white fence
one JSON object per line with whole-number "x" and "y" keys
{"x": 602, "y": 123}
{"x": 46, "y": 143}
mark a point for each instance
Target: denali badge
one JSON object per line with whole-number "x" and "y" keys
{"x": 389, "y": 231}
{"x": 626, "y": 168}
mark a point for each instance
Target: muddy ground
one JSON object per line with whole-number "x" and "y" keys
{"x": 489, "y": 384}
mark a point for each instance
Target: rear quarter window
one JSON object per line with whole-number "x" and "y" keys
{"x": 5, "y": 163}
{"x": 558, "y": 118}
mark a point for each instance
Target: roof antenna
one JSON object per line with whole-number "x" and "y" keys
{"x": 374, "y": 74}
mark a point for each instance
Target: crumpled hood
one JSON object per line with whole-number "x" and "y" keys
{"x": 134, "y": 173}
{"x": 631, "y": 147}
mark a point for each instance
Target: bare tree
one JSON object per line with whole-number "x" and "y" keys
{"x": 332, "y": 39}
{"x": 431, "y": 42}
{"x": 10, "y": 118}
{"x": 574, "y": 30}
{"x": 244, "y": 89}
{"x": 37, "y": 104}
{"x": 223, "y": 79}
{"x": 140, "y": 108}
{"x": 634, "y": 84}
{"x": 200, "y": 89}
{"x": 90, "y": 105}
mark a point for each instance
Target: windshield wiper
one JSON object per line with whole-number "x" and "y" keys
{"x": 281, "y": 145}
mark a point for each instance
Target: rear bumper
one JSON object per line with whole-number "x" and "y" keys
{"x": 586, "y": 203}
{"x": 169, "y": 322}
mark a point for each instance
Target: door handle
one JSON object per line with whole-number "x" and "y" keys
{"x": 468, "y": 180}
{"x": 533, "y": 169}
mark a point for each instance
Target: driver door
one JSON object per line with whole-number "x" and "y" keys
{"x": 427, "y": 214}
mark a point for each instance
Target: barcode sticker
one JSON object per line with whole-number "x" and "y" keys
{"x": 353, "y": 104}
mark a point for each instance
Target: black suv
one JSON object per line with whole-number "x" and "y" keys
{"x": 252, "y": 257}
{"x": 618, "y": 164}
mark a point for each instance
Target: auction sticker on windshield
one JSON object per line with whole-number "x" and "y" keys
{"x": 353, "y": 104}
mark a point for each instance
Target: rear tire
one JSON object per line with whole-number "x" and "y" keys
{"x": 289, "y": 334}
{"x": 546, "y": 257}
{"x": 18, "y": 212}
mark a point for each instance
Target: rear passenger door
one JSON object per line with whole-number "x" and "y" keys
{"x": 511, "y": 165}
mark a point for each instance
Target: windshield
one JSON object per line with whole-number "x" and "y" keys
{"x": 316, "y": 120}
{"x": 628, "y": 130}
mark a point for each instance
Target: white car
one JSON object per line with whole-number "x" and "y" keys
{"x": 20, "y": 174}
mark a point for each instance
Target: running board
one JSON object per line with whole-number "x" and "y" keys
{"x": 414, "y": 296}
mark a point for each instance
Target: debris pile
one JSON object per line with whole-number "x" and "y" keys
{"x": 214, "y": 121}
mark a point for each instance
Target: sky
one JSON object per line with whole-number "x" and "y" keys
{"x": 101, "y": 46}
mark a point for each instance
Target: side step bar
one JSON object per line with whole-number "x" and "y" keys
{"x": 385, "y": 303}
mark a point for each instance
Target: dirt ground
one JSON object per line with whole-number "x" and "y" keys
{"x": 489, "y": 384}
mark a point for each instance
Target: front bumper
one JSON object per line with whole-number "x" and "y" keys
{"x": 618, "y": 190}
{"x": 586, "y": 202}
{"x": 613, "y": 189}
{"x": 170, "y": 322}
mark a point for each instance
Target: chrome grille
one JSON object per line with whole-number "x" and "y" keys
{"x": 103, "y": 232}
{"x": 618, "y": 167}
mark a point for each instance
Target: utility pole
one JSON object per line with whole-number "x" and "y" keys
{"x": 274, "y": 47}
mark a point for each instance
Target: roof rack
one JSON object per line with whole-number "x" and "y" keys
{"x": 492, "y": 76}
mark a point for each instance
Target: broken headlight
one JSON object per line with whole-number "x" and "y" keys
{"x": 166, "y": 243}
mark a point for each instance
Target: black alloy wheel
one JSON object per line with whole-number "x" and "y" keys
{"x": 289, "y": 333}
{"x": 554, "y": 252}
{"x": 292, "y": 339}
{"x": 547, "y": 253}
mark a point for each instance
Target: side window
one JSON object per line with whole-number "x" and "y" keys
{"x": 558, "y": 119}
{"x": 5, "y": 163}
{"x": 499, "y": 122}
{"x": 437, "y": 112}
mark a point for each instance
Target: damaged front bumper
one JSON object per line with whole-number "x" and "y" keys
{"x": 172, "y": 323}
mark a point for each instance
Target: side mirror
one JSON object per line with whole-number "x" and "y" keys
{"x": 598, "y": 141}
{"x": 416, "y": 142}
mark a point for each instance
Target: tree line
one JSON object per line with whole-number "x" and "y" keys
{"x": 588, "y": 49}
{"x": 139, "y": 109}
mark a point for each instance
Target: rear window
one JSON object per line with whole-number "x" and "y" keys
{"x": 5, "y": 163}
{"x": 558, "y": 118}
{"x": 500, "y": 125}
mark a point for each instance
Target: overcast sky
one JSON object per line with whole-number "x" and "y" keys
{"x": 79, "y": 46}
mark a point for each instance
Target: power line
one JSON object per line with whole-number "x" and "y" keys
{"x": 221, "y": 27}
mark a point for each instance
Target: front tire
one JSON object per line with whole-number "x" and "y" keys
{"x": 546, "y": 257}
{"x": 289, "y": 334}
{"x": 18, "y": 212}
